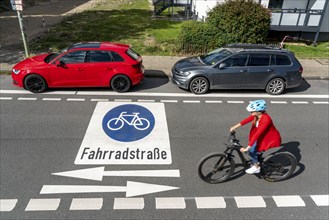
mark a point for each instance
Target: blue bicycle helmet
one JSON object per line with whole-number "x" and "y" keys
{"x": 257, "y": 106}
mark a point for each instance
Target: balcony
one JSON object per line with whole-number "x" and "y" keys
{"x": 306, "y": 20}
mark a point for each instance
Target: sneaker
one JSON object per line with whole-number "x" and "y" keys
{"x": 253, "y": 170}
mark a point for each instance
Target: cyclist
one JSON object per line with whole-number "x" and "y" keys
{"x": 263, "y": 134}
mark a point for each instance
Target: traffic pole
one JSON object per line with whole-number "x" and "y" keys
{"x": 20, "y": 20}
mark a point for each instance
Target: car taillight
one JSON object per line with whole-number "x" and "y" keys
{"x": 300, "y": 70}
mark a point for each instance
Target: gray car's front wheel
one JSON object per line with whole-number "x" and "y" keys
{"x": 275, "y": 86}
{"x": 199, "y": 85}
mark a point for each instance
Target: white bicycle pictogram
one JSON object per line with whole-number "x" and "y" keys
{"x": 130, "y": 119}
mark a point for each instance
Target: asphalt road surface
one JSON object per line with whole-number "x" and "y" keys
{"x": 55, "y": 132}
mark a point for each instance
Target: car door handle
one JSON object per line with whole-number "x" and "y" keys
{"x": 243, "y": 71}
{"x": 109, "y": 68}
{"x": 270, "y": 70}
{"x": 80, "y": 69}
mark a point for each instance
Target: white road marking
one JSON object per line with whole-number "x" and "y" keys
{"x": 109, "y": 93}
{"x": 211, "y": 101}
{"x": 169, "y": 101}
{"x": 51, "y": 99}
{"x": 210, "y": 202}
{"x": 191, "y": 101}
{"x": 299, "y": 102}
{"x": 6, "y": 98}
{"x": 250, "y": 202}
{"x": 86, "y": 204}
{"x": 122, "y": 100}
{"x": 145, "y": 100}
{"x": 279, "y": 102}
{"x": 288, "y": 201}
{"x": 235, "y": 102}
{"x": 320, "y": 102}
{"x": 43, "y": 205}
{"x": 26, "y": 99}
{"x": 128, "y": 203}
{"x": 99, "y": 100}
{"x": 7, "y": 205}
{"x": 75, "y": 100}
{"x": 170, "y": 203}
{"x": 321, "y": 200}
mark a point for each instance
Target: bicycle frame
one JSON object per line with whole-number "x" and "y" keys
{"x": 135, "y": 118}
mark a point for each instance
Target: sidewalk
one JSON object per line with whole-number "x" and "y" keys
{"x": 54, "y": 11}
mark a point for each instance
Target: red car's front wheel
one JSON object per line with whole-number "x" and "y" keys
{"x": 35, "y": 83}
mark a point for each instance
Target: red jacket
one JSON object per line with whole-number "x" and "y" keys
{"x": 266, "y": 135}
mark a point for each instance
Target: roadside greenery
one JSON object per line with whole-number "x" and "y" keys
{"x": 131, "y": 22}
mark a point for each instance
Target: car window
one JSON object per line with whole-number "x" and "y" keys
{"x": 117, "y": 57}
{"x": 74, "y": 57}
{"x": 282, "y": 60}
{"x": 260, "y": 60}
{"x": 215, "y": 56}
{"x": 133, "y": 54}
{"x": 236, "y": 60}
{"x": 99, "y": 56}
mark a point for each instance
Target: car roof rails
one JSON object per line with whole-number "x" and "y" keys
{"x": 85, "y": 45}
{"x": 252, "y": 46}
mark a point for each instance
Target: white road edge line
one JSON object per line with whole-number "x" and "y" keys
{"x": 240, "y": 95}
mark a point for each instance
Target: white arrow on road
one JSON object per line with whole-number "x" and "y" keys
{"x": 97, "y": 173}
{"x": 132, "y": 189}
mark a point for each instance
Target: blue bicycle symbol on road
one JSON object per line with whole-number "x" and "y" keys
{"x": 127, "y": 123}
{"x": 130, "y": 119}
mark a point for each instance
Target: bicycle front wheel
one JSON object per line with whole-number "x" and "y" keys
{"x": 215, "y": 168}
{"x": 278, "y": 167}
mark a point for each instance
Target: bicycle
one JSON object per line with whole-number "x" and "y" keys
{"x": 130, "y": 119}
{"x": 219, "y": 167}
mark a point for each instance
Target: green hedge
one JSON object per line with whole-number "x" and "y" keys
{"x": 235, "y": 21}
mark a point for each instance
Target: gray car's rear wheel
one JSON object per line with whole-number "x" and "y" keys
{"x": 199, "y": 85}
{"x": 275, "y": 86}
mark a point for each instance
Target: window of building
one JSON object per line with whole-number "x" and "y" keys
{"x": 275, "y": 4}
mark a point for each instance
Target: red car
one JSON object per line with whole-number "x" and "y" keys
{"x": 94, "y": 64}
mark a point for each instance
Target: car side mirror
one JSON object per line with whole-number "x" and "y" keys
{"x": 222, "y": 65}
{"x": 61, "y": 63}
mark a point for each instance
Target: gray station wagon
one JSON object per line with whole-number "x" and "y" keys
{"x": 239, "y": 66}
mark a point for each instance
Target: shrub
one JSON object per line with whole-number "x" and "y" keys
{"x": 242, "y": 21}
{"x": 196, "y": 37}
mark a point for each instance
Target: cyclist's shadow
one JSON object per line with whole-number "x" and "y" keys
{"x": 291, "y": 147}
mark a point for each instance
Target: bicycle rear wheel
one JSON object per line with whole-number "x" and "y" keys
{"x": 215, "y": 168}
{"x": 278, "y": 167}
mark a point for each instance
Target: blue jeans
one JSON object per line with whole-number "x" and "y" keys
{"x": 253, "y": 153}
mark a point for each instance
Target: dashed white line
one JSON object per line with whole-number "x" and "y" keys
{"x": 191, "y": 101}
{"x": 99, "y": 100}
{"x": 7, "y": 205}
{"x": 250, "y": 202}
{"x": 288, "y": 201}
{"x": 169, "y": 101}
{"x": 75, "y": 100}
{"x": 315, "y": 102}
{"x": 210, "y": 202}
{"x": 42, "y": 205}
{"x": 128, "y": 203}
{"x": 299, "y": 102}
{"x": 122, "y": 100}
{"x": 6, "y": 98}
{"x": 86, "y": 204}
{"x": 145, "y": 100}
{"x": 213, "y": 101}
{"x": 279, "y": 102}
{"x": 321, "y": 200}
{"x": 51, "y": 99}
{"x": 235, "y": 102}
{"x": 26, "y": 99}
{"x": 170, "y": 203}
